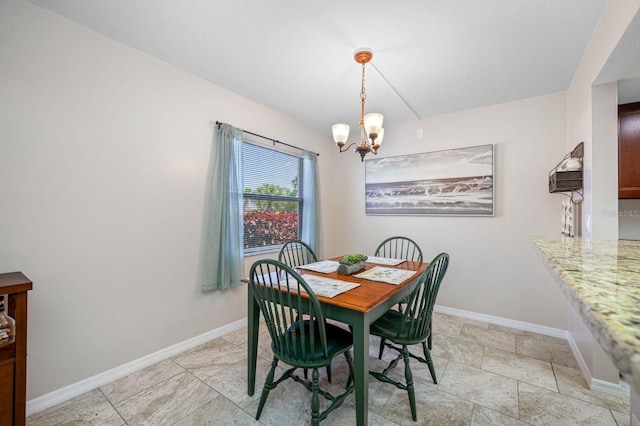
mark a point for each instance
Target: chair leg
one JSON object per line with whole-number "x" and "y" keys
{"x": 409, "y": 377}
{"x": 381, "y": 350}
{"x": 347, "y": 355}
{"x": 427, "y": 356}
{"x": 328, "y": 373}
{"x": 268, "y": 385}
{"x": 315, "y": 401}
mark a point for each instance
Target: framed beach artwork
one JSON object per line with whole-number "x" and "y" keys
{"x": 453, "y": 182}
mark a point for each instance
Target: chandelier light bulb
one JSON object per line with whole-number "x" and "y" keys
{"x": 373, "y": 123}
{"x": 340, "y": 133}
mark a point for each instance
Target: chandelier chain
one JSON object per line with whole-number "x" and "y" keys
{"x": 363, "y": 94}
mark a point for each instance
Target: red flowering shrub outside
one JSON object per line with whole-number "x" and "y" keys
{"x": 265, "y": 229}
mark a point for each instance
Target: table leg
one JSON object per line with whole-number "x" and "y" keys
{"x": 253, "y": 316}
{"x": 361, "y": 367}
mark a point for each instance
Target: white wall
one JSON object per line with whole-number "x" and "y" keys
{"x": 604, "y": 161}
{"x": 104, "y": 154}
{"x": 494, "y": 269}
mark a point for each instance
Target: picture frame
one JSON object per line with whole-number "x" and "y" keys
{"x": 452, "y": 182}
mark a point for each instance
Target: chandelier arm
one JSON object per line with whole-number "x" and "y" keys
{"x": 342, "y": 149}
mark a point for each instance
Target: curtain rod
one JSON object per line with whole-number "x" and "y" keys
{"x": 219, "y": 123}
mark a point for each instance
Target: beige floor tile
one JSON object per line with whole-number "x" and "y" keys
{"x": 483, "y": 416}
{"x": 264, "y": 346}
{"x": 288, "y": 404}
{"x": 167, "y": 402}
{"x": 220, "y": 411}
{"x": 458, "y": 350}
{"x": 379, "y": 392}
{"x": 232, "y": 382}
{"x": 433, "y": 407}
{"x": 489, "y": 338}
{"x": 346, "y": 416}
{"x": 557, "y": 340}
{"x": 130, "y": 385}
{"x": 461, "y": 320}
{"x": 237, "y": 337}
{"x": 445, "y": 325}
{"x": 545, "y": 351}
{"x": 622, "y": 419}
{"x": 482, "y": 387}
{"x": 572, "y": 383}
{"x": 481, "y": 382}
{"x": 515, "y": 331}
{"x": 542, "y": 407}
{"x": 518, "y": 367}
{"x": 210, "y": 358}
{"x": 91, "y": 408}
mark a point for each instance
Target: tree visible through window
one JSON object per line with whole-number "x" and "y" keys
{"x": 272, "y": 203}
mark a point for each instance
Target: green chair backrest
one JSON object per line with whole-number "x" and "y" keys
{"x": 295, "y": 253}
{"x": 399, "y": 248}
{"x": 417, "y": 315}
{"x": 280, "y": 293}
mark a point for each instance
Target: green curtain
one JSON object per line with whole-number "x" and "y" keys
{"x": 311, "y": 220}
{"x": 223, "y": 258}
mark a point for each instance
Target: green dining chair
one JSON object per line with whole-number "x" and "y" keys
{"x": 399, "y": 248}
{"x": 296, "y": 253}
{"x": 300, "y": 336}
{"x": 412, "y": 327}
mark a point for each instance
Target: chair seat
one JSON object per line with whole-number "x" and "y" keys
{"x": 388, "y": 326}
{"x": 338, "y": 341}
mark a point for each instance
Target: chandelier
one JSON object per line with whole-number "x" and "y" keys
{"x": 371, "y": 131}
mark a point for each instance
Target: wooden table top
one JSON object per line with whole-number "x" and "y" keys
{"x": 368, "y": 294}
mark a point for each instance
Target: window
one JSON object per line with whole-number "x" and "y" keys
{"x": 272, "y": 203}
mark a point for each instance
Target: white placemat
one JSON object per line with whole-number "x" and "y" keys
{"x": 328, "y": 287}
{"x": 386, "y": 275}
{"x": 324, "y": 266}
{"x": 385, "y": 260}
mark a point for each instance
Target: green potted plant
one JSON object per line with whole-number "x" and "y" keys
{"x": 352, "y": 263}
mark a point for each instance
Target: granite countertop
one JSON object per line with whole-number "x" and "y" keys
{"x": 601, "y": 279}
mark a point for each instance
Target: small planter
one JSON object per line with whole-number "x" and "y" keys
{"x": 350, "y": 269}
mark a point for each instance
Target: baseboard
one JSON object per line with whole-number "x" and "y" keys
{"x": 505, "y": 322}
{"x": 609, "y": 389}
{"x": 63, "y": 394}
{"x": 614, "y": 390}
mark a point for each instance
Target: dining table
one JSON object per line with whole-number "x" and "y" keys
{"x": 357, "y": 307}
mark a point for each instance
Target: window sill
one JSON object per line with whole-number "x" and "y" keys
{"x": 262, "y": 251}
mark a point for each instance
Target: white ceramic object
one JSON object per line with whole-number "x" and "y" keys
{"x": 570, "y": 165}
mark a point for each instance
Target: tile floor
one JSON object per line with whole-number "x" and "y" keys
{"x": 488, "y": 375}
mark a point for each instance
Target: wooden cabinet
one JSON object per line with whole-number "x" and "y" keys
{"x": 629, "y": 150}
{"x": 13, "y": 357}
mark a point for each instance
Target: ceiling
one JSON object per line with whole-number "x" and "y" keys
{"x": 430, "y": 57}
